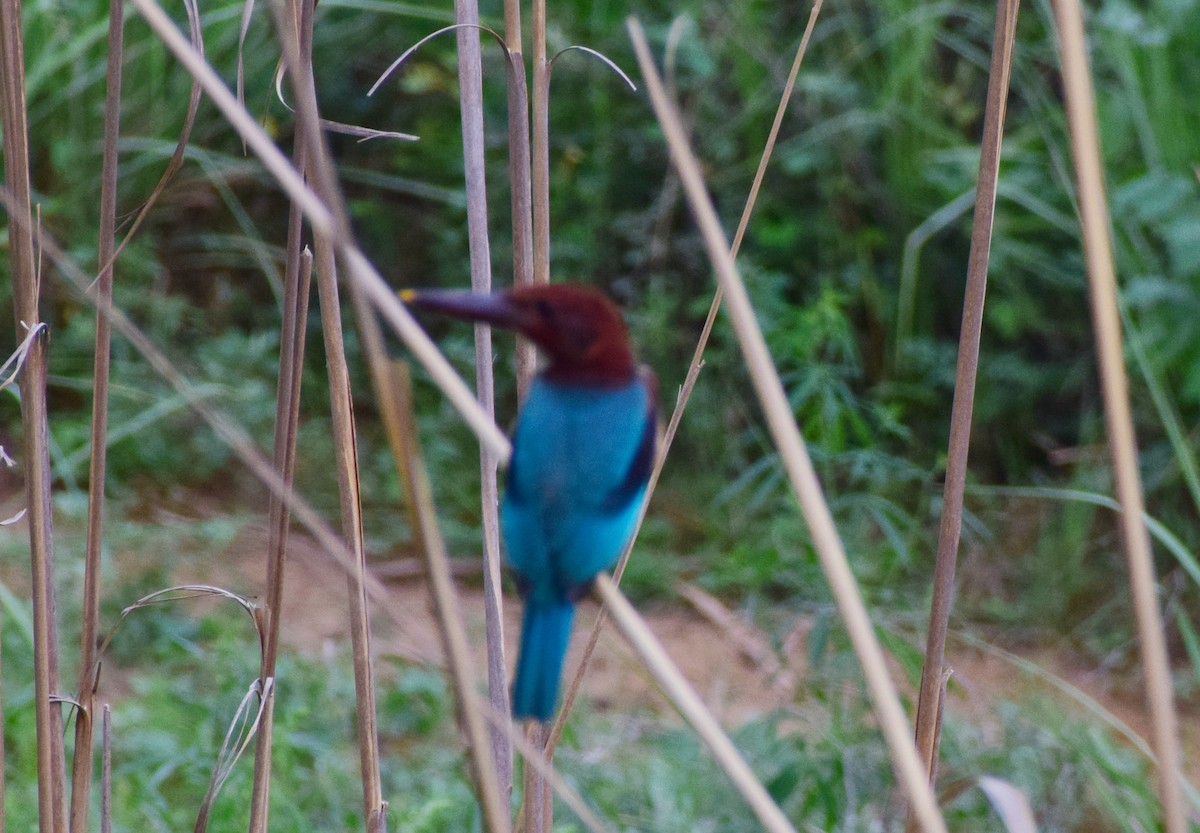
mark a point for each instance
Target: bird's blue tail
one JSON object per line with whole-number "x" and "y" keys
{"x": 545, "y": 632}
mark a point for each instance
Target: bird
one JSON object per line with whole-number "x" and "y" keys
{"x": 582, "y": 450}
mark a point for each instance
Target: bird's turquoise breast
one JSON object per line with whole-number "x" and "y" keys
{"x": 569, "y": 507}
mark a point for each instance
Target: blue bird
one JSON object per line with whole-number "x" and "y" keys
{"x": 581, "y": 457}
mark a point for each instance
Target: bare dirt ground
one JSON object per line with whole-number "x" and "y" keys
{"x": 714, "y": 655}
{"x": 718, "y": 652}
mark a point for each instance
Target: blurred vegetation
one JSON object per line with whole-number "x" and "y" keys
{"x": 855, "y": 259}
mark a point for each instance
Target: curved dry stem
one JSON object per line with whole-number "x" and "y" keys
{"x": 364, "y": 134}
{"x": 1097, "y": 247}
{"x": 12, "y": 365}
{"x": 793, "y": 453}
{"x": 227, "y": 760}
{"x": 90, "y": 680}
{"x": 697, "y": 363}
{"x": 607, "y": 61}
{"x": 243, "y": 31}
{"x": 451, "y": 28}
{"x": 684, "y": 698}
{"x": 929, "y": 699}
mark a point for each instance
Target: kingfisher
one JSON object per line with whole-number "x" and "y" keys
{"x": 582, "y": 452}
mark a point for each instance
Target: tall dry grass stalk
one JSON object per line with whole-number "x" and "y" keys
{"x": 106, "y": 771}
{"x": 51, "y": 756}
{"x": 519, "y": 178}
{"x": 793, "y": 453}
{"x": 684, "y": 698}
{"x": 81, "y": 772}
{"x": 540, "y": 146}
{"x": 346, "y": 465}
{"x": 396, "y": 384}
{"x": 470, "y": 84}
{"x": 1097, "y": 248}
{"x": 929, "y": 710}
{"x": 346, "y": 452}
{"x": 537, "y": 808}
{"x": 297, "y": 279}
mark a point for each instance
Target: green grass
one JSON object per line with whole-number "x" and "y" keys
{"x": 184, "y": 676}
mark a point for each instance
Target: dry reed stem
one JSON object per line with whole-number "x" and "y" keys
{"x": 470, "y": 83}
{"x": 1094, "y": 220}
{"x": 693, "y": 372}
{"x": 346, "y": 451}
{"x": 520, "y": 187}
{"x": 689, "y": 704}
{"x": 105, "y": 771}
{"x": 51, "y": 757}
{"x": 446, "y": 607}
{"x": 538, "y": 816}
{"x": 81, "y": 772}
{"x": 929, "y": 699}
{"x": 793, "y": 453}
{"x": 540, "y": 155}
{"x": 341, "y": 406}
{"x": 297, "y": 281}
{"x": 297, "y": 277}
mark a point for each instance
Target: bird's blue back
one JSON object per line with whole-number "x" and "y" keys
{"x": 581, "y": 458}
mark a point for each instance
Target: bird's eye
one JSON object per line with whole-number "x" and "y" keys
{"x": 545, "y": 309}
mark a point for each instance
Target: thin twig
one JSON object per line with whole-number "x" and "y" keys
{"x": 928, "y": 704}
{"x": 540, "y": 155}
{"x": 520, "y": 193}
{"x": 297, "y": 280}
{"x": 684, "y": 698}
{"x": 538, "y": 814}
{"x": 1097, "y": 247}
{"x": 693, "y": 372}
{"x": 346, "y": 453}
{"x": 793, "y": 453}
{"x": 51, "y": 768}
{"x": 105, "y": 772}
{"x": 445, "y": 600}
{"x": 470, "y": 86}
{"x": 81, "y": 772}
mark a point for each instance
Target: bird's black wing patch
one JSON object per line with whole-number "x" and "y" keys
{"x": 639, "y": 467}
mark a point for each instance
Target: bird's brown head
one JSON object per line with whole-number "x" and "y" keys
{"x": 578, "y": 328}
